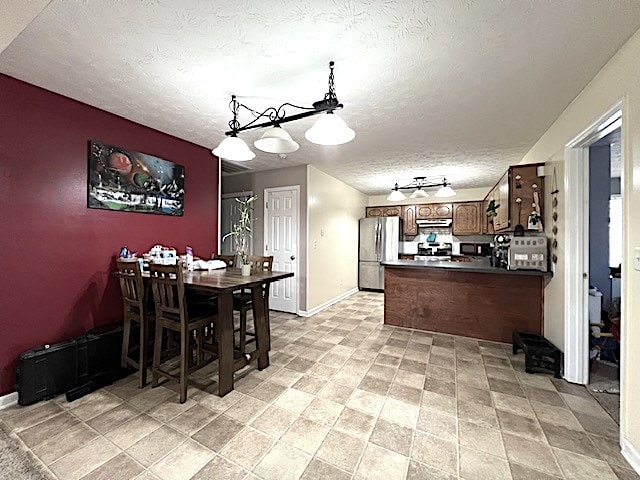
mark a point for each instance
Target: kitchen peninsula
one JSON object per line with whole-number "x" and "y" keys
{"x": 470, "y": 299}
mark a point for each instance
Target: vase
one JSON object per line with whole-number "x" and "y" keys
{"x": 246, "y": 270}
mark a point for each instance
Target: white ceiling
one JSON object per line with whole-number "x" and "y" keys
{"x": 460, "y": 88}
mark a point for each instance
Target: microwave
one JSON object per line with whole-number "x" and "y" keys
{"x": 481, "y": 249}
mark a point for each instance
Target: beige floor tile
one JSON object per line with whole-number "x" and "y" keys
{"x": 247, "y": 447}
{"x": 548, "y": 397}
{"x": 435, "y": 452}
{"x": 567, "y": 439}
{"x": 341, "y": 450}
{"x": 439, "y": 385}
{"x": 285, "y": 377}
{"x": 323, "y": 411}
{"x": 317, "y": 469}
{"x": 193, "y": 419}
{"x": 587, "y": 405}
{"x": 246, "y": 410}
{"x": 575, "y": 466}
{"x": 309, "y": 384}
{"x": 380, "y": 464}
{"x": 519, "y": 425}
{"x": 183, "y": 462}
{"x": 483, "y": 439}
{"x": 479, "y": 396}
{"x": 336, "y": 393}
{"x": 18, "y": 418}
{"x": 274, "y": 421}
{"x": 282, "y": 462}
{"x": 156, "y": 445}
{"x": 85, "y": 459}
{"x": 120, "y": 467}
{"x": 410, "y": 379}
{"x": 150, "y": 397}
{"x": 321, "y": 371}
{"x": 294, "y": 401}
{"x": 609, "y": 450}
{"x": 366, "y": 402}
{"x": 400, "y": 413}
{"x": 419, "y": 471}
{"x": 556, "y": 415}
{"x": 520, "y": 472}
{"x": 217, "y": 433}
{"x": 409, "y": 395}
{"x": 64, "y": 443}
{"x": 392, "y": 437}
{"x": 374, "y": 385}
{"x": 133, "y": 430}
{"x": 624, "y": 473}
{"x": 516, "y": 405}
{"x": 305, "y": 435}
{"x": 355, "y": 423}
{"x": 267, "y": 391}
{"x": 438, "y": 424}
{"x": 538, "y": 380}
{"x": 97, "y": 403}
{"x": 531, "y": 453}
{"x": 438, "y": 402}
{"x": 170, "y": 408}
{"x": 604, "y": 426}
{"x": 112, "y": 419}
{"x": 219, "y": 404}
{"x": 476, "y": 465}
{"x": 382, "y": 372}
{"x": 37, "y": 434}
{"x": 503, "y": 386}
{"x": 220, "y": 469}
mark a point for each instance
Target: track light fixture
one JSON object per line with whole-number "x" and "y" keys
{"x": 418, "y": 184}
{"x": 329, "y": 129}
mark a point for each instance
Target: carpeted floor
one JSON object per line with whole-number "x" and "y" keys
{"x": 16, "y": 462}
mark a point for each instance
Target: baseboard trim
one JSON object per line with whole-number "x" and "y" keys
{"x": 630, "y": 454}
{"x": 328, "y": 303}
{"x": 8, "y": 400}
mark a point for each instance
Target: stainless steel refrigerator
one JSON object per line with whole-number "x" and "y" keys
{"x": 379, "y": 241}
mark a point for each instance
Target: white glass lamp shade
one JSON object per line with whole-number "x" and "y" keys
{"x": 234, "y": 148}
{"x": 276, "y": 140}
{"x": 445, "y": 191}
{"x": 330, "y": 129}
{"x": 419, "y": 193}
{"x": 396, "y": 196}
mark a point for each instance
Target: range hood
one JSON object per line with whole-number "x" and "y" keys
{"x": 440, "y": 222}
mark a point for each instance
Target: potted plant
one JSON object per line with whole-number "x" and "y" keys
{"x": 241, "y": 232}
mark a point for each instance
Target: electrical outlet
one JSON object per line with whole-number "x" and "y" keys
{"x": 636, "y": 258}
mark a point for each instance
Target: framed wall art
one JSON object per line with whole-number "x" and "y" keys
{"x": 131, "y": 181}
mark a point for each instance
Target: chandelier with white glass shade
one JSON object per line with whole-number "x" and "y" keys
{"x": 418, "y": 185}
{"x": 329, "y": 129}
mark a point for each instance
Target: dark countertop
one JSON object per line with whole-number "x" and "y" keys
{"x": 478, "y": 264}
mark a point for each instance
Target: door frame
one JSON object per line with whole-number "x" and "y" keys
{"x": 576, "y": 275}
{"x": 265, "y": 228}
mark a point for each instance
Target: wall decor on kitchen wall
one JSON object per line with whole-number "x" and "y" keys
{"x": 554, "y": 218}
{"x": 131, "y": 181}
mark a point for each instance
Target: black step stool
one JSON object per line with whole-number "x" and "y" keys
{"x": 538, "y": 352}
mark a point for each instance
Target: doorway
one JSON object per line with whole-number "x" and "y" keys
{"x": 281, "y": 239}
{"x": 588, "y": 258}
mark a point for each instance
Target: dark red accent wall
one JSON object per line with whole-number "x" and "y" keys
{"x": 57, "y": 254}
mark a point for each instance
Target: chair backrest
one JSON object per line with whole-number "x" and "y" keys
{"x": 260, "y": 264}
{"x": 132, "y": 286}
{"x": 230, "y": 260}
{"x": 167, "y": 285}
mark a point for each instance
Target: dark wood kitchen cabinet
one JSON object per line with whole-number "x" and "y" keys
{"x": 434, "y": 211}
{"x": 384, "y": 211}
{"x": 409, "y": 225}
{"x": 466, "y": 218}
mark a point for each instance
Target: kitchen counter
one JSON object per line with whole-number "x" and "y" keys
{"x": 477, "y": 264}
{"x": 471, "y": 299}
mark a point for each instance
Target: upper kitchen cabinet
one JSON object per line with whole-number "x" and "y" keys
{"x": 514, "y": 197}
{"x": 384, "y": 211}
{"x": 434, "y": 211}
{"x": 409, "y": 225}
{"x": 466, "y": 218}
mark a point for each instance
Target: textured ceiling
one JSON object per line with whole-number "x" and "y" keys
{"x": 460, "y": 88}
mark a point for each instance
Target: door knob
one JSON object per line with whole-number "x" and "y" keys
{"x": 293, "y": 257}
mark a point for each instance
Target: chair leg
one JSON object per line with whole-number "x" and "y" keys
{"x": 142, "y": 357}
{"x": 126, "y": 333}
{"x": 157, "y": 349}
{"x": 243, "y": 330}
{"x": 199, "y": 349}
{"x": 185, "y": 353}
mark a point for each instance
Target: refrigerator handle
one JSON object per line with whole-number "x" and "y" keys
{"x": 378, "y": 245}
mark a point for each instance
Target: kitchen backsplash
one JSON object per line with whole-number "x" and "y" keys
{"x": 443, "y": 235}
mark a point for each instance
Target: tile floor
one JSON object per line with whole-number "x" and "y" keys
{"x": 345, "y": 397}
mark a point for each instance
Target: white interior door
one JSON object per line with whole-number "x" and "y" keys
{"x": 281, "y": 240}
{"x": 230, "y": 214}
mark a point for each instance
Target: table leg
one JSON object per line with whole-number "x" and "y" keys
{"x": 266, "y": 314}
{"x": 260, "y": 319}
{"x": 225, "y": 343}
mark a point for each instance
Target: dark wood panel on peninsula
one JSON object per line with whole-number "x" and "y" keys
{"x": 484, "y": 305}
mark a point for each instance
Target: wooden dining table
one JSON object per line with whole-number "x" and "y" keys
{"x": 223, "y": 282}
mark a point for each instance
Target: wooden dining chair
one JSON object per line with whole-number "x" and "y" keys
{"x": 230, "y": 260}
{"x": 135, "y": 300}
{"x": 172, "y": 314}
{"x": 242, "y": 301}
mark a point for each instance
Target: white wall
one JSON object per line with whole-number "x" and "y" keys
{"x": 334, "y": 211}
{"x": 619, "y": 80}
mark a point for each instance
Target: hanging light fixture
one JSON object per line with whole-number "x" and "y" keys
{"x": 418, "y": 184}
{"x": 330, "y": 129}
